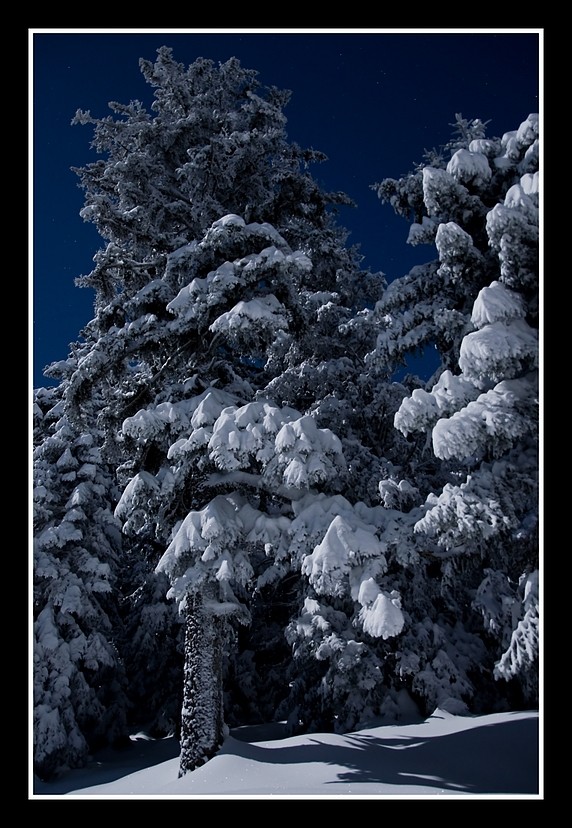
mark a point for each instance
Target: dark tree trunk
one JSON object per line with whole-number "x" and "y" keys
{"x": 202, "y": 720}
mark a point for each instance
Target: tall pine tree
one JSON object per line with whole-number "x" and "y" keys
{"x": 479, "y": 305}
{"x": 223, "y": 270}
{"x": 80, "y": 692}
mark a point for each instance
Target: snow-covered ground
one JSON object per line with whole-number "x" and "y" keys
{"x": 495, "y": 756}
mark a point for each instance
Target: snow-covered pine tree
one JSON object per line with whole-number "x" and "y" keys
{"x": 223, "y": 553}
{"x": 355, "y": 661}
{"x": 373, "y": 605}
{"x": 479, "y": 304}
{"x": 178, "y": 429}
{"x": 223, "y": 270}
{"x": 193, "y": 434}
{"x": 79, "y": 686}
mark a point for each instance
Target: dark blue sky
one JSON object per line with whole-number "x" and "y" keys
{"x": 371, "y": 100}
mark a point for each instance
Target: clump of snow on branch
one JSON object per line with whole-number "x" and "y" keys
{"x": 422, "y": 409}
{"x": 423, "y": 233}
{"x": 496, "y": 303}
{"x": 196, "y": 412}
{"x": 493, "y": 422}
{"x": 463, "y": 518}
{"x": 380, "y": 614}
{"x": 246, "y": 433}
{"x": 133, "y": 506}
{"x": 440, "y": 192}
{"x": 343, "y": 548}
{"x": 513, "y": 232}
{"x": 469, "y": 167}
{"x": 350, "y": 557}
{"x": 211, "y": 541}
{"x": 199, "y": 300}
{"x": 305, "y": 454}
{"x": 265, "y": 313}
{"x": 499, "y": 350}
{"x": 456, "y": 251}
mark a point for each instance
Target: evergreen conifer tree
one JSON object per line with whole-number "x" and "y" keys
{"x": 397, "y": 593}
{"x": 223, "y": 271}
{"x": 78, "y": 678}
{"x": 479, "y": 304}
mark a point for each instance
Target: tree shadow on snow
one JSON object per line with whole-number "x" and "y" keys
{"x": 496, "y": 758}
{"x": 113, "y": 763}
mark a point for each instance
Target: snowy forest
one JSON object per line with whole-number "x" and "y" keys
{"x": 246, "y": 508}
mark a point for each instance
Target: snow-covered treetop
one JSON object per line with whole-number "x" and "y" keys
{"x": 216, "y": 146}
{"x": 490, "y": 404}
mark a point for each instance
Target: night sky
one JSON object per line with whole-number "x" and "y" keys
{"x": 371, "y": 100}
